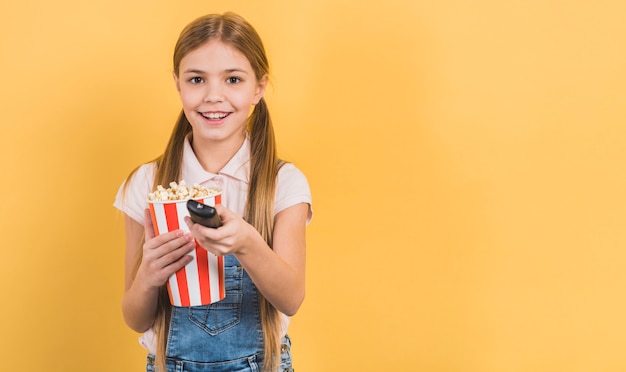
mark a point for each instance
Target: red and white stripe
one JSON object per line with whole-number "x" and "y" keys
{"x": 201, "y": 281}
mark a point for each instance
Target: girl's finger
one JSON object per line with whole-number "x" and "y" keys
{"x": 172, "y": 255}
{"x": 173, "y": 267}
{"x": 169, "y": 237}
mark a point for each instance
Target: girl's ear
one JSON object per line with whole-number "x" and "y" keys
{"x": 260, "y": 89}
{"x": 176, "y": 81}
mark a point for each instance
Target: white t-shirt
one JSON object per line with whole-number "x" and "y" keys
{"x": 292, "y": 188}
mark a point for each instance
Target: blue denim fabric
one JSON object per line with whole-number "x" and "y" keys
{"x": 226, "y": 336}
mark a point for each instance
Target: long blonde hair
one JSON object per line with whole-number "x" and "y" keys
{"x": 235, "y": 31}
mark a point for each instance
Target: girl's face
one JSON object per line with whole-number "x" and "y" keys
{"x": 218, "y": 87}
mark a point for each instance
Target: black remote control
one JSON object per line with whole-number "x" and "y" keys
{"x": 203, "y": 214}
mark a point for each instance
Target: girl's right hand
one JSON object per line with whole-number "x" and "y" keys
{"x": 163, "y": 255}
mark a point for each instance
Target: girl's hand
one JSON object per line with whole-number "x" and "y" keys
{"x": 229, "y": 238}
{"x": 163, "y": 255}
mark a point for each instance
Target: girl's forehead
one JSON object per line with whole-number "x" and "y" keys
{"x": 216, "y": 52}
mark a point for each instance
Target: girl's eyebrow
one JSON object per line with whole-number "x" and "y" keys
{"x": 231, "y": 70}
{"x": 192, "y": 71}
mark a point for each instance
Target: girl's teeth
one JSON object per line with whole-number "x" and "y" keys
{"x": 214, "y": 116}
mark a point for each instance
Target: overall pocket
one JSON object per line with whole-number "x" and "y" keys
{"x": 219, "y": 316}
{"x": 246, "y": 364}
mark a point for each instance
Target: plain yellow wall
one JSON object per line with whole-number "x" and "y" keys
{"x": 466, "y": 160}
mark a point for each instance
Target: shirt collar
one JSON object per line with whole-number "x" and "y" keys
{"x": 238, "y": 166}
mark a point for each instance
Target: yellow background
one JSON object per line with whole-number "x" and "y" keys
{"x": 466, "y": 160}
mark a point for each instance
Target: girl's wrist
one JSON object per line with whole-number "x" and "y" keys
{"x": 143, "y": 286}
{"x": 251, "y": 241}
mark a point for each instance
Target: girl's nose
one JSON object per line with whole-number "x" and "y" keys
{"x": 213, "y": 93}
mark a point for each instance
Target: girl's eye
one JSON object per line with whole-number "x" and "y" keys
{"x": 233, "y": 80}
{"x": 195, "y": 80}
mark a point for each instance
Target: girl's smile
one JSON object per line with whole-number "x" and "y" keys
{"x": 214, "y": 117}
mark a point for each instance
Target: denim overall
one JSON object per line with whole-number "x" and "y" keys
{"x": 222, "y": 337}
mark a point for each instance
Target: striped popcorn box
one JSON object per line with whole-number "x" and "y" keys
{"x": 201, "y": 281}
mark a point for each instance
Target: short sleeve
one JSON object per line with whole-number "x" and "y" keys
{"x": 132, "y": 198}
{"x": 292, "y": 188}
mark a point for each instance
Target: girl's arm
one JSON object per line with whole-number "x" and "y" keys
{"x": 279, "y": 273}
{"x": 162, "y": 256}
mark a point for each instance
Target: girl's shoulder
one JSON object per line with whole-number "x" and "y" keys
{"x": 132, "y": 196}
{"x": 142, "y": 178}
{"x": 289, "y": 173}
{"x": 292, "y": 188}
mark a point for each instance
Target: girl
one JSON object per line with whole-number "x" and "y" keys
{"x": 223, "y": 137}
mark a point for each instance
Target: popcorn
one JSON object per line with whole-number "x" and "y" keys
{"x": 180, "y": 191}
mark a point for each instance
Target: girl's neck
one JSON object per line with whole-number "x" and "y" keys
{"x": 214, "y": 155}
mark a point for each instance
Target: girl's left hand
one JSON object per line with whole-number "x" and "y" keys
{"x": 227, "y": 239}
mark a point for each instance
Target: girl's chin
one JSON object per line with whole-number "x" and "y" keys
{"x": 214, "y": 134}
